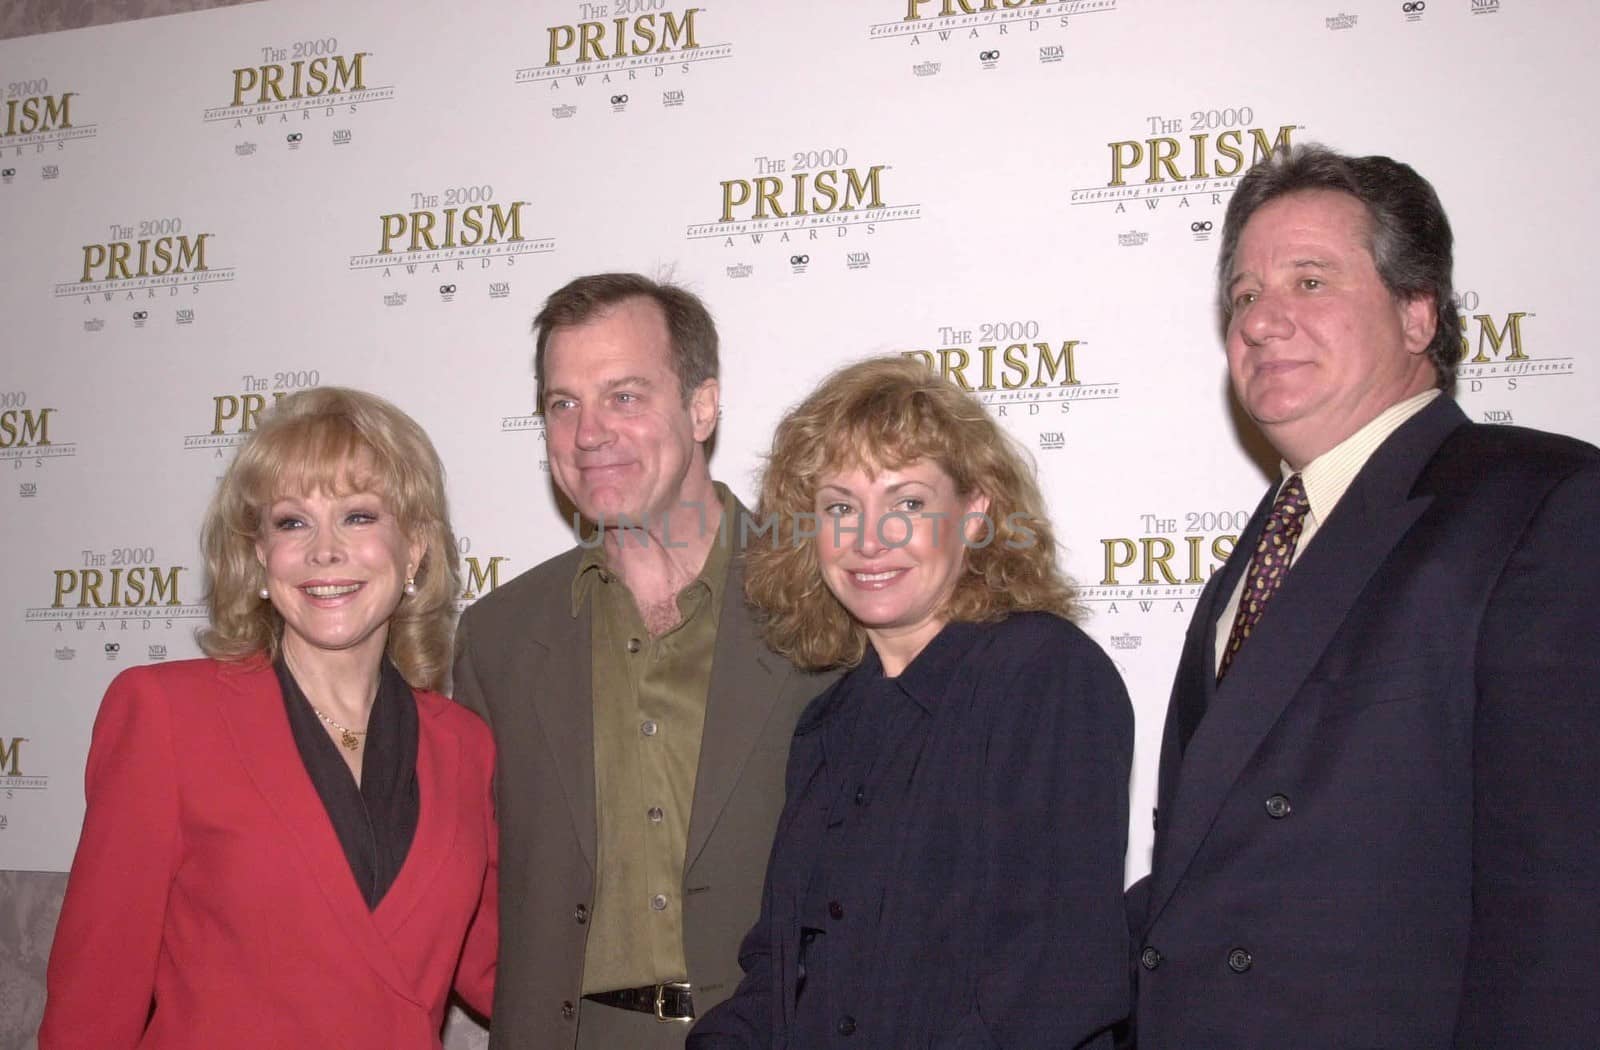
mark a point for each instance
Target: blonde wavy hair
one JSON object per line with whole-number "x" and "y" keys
{"x": 333, "y": 440}
{"x": 881, "y": 414}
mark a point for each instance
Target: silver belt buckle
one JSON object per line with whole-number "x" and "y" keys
{"x": 661, "y": 1000}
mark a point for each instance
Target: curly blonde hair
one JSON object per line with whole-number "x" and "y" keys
{"x": 881, "y": 414}
{"x": 335, "y": 440}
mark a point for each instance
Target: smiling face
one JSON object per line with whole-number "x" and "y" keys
{"x": 1317, "y": 346}
{"x": 892, "y": 547}
{"x": 620, "y": 439}
{"x": 336, "y": 567}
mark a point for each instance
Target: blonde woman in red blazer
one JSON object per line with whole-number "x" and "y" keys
{"x": 292, "y": 844}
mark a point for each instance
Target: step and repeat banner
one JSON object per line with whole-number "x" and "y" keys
{"x": 200, "y": 214}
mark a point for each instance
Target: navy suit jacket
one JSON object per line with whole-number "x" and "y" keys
{"x": 1383, "y": 828}
{"x": 1001, "y": 922}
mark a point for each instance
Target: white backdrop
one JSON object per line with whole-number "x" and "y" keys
{"x": 835, "y": 177}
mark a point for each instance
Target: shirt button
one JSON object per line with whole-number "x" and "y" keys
{"x": 847, "y": 1025}
{"x": 1149, "y": 958}
{"x": 581, "y": 914}
{"x": 1239, "y": 960}
{"x": 835, "y": 910}
{"x": 658, "y": 902}
{"x": 861, "y": 795}
{"x": 567, "y": 1010}
{"x": 633, "y": 645}
{"x": 1278, "y": 807}
{"x": 655, "y": 814}
{"x": 648, "y": 727}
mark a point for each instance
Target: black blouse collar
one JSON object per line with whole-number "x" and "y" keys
{"x": 375, "y": 821}
{"x": 925, "y": 680}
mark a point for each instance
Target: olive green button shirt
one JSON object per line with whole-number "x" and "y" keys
{"x": 649, "y": 709}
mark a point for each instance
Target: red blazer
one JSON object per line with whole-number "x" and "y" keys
{"x": 209, "y": 881}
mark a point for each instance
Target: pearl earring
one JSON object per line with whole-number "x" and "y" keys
{"x": 411, "y": 586}
{"x": 263, "y": 594}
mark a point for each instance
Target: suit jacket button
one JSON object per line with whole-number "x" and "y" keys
{"x": 1149, "y": 958}
{"x": 847, "y": 1025}
{"x": 567, "y": 1010}
{"x": 1278, "y": 807}
{"x": 1239, "y": 960}
{"x": 581, "y": 914}
{"x": 835, "y": 910}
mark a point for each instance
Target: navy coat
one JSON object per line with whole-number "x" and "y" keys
{"x": 1001, "y": 920}
{"x": 1383, "y": 828}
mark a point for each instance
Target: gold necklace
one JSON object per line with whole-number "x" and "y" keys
{"x": 350, "y": 738}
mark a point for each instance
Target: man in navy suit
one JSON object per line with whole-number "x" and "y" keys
{"x": 1379, "y": 798}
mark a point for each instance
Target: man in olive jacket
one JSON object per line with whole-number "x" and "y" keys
{"x": 642, "y": 727}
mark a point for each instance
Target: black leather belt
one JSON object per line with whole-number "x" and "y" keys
{"x": 669, "y": 1002}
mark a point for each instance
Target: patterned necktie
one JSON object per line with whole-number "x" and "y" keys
{"x": 1268, "y": 566}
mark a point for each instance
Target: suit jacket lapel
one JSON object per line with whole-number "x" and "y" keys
{"x": 746, "y": 680}
{"x": 1373, "y": 516}
{"x": 1192, "y": 695}
{"x": 439, "y": 778}
{"x": 557, "y": 669}
{"x": 260, "y": 730}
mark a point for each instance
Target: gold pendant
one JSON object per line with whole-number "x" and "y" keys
{"x": 349, "y": 740}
